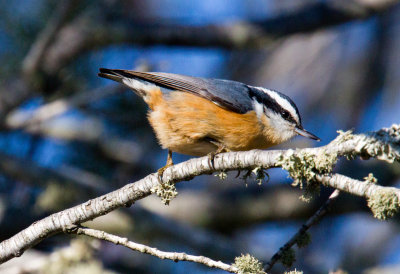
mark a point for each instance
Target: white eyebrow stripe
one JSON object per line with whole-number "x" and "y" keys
{"x": 282, "y": 102}
{"x": 258, "y": 107}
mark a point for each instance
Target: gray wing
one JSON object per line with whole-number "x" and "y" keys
{"x": 231, "y": 95}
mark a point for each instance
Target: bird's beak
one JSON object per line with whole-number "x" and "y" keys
{"x": 301, "y": 131}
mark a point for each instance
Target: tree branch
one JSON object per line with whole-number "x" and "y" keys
{"x": 321, "y": 212}
{"x": 84, "y": 34}
{"x": 174, "y": 256}
{"x": 383, "y": 144}
{"x": 36, "y": 53}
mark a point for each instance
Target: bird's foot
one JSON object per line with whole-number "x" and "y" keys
{"x": 211, "y": 155}
{"x": 169, "y": 163}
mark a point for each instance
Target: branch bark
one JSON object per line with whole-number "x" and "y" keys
{"x": 174, "y": 256}
{"x": 383, "y": 144}
{"x": 321, "y": 212}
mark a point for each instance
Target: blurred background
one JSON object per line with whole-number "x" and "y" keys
{"x": 67, "y": 136}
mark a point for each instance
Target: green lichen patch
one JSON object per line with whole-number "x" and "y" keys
{"x": 166, "y": 191}
{"x": 384, "y": 204}
{"x": 247, "y": 264}
{"x": 304, "y": 166}
{"x": 303, "y": 240}
{"x": 288, "y": 257}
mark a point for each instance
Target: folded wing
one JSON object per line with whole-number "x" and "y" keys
{"x": 231, "y": 95}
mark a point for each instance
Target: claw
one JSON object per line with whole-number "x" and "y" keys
{"x": 211, "y": 155}
{"x": 238, "y": 173}
{"x": 161, "y": 170}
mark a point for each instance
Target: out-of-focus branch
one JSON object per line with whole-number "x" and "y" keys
{"x": 84, "y": 33}
{"x": 383, "y": 144}
{"x": 88, "y": 129}
{"x": 59, "y": 44}
{"x": 174, "y": 256}
{"x": 20, "y": 119}
{"x": 272, "y": 203}
{"x": 38, "y": 50}
{"x": 20, "y": 88}
{"x": 27, "y": 171}
{"x": 321, "y": 212}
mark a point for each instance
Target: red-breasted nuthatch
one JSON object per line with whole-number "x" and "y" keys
{"x": 198, "y": 116}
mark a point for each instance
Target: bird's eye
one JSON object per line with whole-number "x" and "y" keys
{"x": 285, "y": 114}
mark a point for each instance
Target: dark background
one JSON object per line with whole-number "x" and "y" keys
{"x": 67, "y": 136}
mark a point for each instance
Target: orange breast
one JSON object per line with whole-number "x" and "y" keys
{"x": 183, "y": 122}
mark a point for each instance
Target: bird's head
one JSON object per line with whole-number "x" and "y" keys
{"x": 279, "y": 114}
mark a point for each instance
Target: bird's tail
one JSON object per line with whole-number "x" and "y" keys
{"x": 140, "y": 87}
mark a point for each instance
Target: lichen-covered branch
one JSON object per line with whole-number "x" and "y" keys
{"x": 301, "y": 234}
{"x": 383, "y": 144}
{"x": 383, "y": 201}
{"x": 174, "y": 256}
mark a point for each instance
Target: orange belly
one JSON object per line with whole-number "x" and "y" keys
{"x": 184, "y": 123}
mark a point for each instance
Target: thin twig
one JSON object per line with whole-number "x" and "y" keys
{"x": 174, "y": 256}
{"x": 321, "y": 212}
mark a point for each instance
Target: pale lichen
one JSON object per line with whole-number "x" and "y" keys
{"x": 295, "y": 271}
{"x": 221, "y": 175}
{"x": 260, "y": 175}
{"x": 370, "y": 179}
{"x": 247, "y": 264}
{"x": 383, "y": 144}
{"x": 384, "y": 204}
{"x": 166, "y": 191}
{"x": 344, "y": 136}
{"x": 304, "y": 166}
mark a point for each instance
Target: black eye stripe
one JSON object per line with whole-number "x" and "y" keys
{"x": 273, "y": 105}
{"x": 287, "y": 116}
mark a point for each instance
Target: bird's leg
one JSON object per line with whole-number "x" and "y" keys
{"x": 220, "y": 148}
{"x": 169, "y": 163}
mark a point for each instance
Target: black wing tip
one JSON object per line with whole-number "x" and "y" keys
{"x": 110, "y": 71}
{"x": 112, "y": 74}
{"x": 103, "y": 75}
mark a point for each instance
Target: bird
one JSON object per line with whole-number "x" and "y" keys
{"x": 202, "y": 116}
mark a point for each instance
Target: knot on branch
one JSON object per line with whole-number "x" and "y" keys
{"x": 384, "y": 204}
{"x": 303, "y": 166}
{"x": 248, "y": 264}
{"x": 166, "y": 191}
